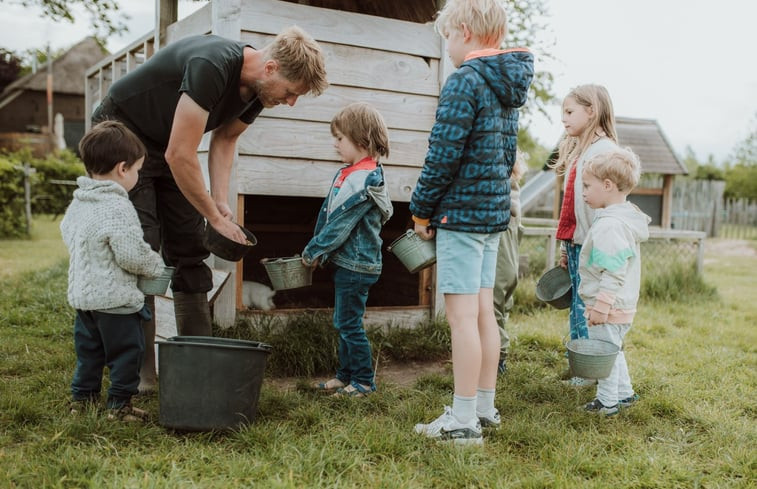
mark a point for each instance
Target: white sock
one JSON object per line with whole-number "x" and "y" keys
{"x": 484, "y": 401}
{"x": 464, "y": 408}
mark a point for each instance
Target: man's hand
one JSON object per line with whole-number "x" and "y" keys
{"x": 229, "y": 229}
{"x": 225, "y": 210}
{"x": 426, "y": 233}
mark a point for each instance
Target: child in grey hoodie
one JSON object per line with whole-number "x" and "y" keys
{"x": 610, "y": 266}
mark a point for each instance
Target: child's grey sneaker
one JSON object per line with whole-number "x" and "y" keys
{"x": 597, "y": 407}
{"x": 490, "y": 420}
{"x": 628, "y": 401}
{"x": 447, "y": 428}
{"x": 580, "y": 382}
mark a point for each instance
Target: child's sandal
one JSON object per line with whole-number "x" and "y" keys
{"x": 128, "y": 413}
{"x": 354, "y": 390}
{"x": 330, "y": 385}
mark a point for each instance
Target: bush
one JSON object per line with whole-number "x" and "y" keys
{"x": 47, "y": 197}
{"x": 12, "y": 213}
{"x": 677, "y": 282}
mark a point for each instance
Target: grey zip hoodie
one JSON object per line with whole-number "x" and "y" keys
{"x": 610, "y": 262}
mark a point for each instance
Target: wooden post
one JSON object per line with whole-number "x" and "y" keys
{"x": 166, "y": 13}
{"x": 225, "y": 22}
{"x": 667, "y": 201}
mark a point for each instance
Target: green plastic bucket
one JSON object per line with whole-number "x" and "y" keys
{"x": 287, "y": 273}
{"x": 209, "y": 383}
{"x": 415, "y": 253}
{"x": 591, "y": 359}
{"x": 158, "y": 285}
{"x": 554, "y": 288}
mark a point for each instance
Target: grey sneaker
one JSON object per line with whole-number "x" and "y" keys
{"x": 580, "y": 382}
{"x": 628, "y": 401}
{"x": 597, "y": 407}
{"x": 447, "y": 428}
{"x": 490, "y": 420}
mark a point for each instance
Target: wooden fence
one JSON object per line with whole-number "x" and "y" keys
{"x": 698, "y": 205}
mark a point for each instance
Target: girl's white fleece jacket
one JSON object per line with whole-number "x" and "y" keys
{"x": 610, "y": 262}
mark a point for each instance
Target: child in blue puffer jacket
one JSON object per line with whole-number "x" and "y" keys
{"x": 347, "y": 239}
{"x": 463, "y": 196}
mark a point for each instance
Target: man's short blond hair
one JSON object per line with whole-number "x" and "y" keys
{"x": 621, "y": 166}
{"x": 486, "y": 19}
{"x": 364, "y": 126}
{"x": 300, "y": 59}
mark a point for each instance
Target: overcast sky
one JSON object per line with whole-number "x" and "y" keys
{"x": 690, "y": 64}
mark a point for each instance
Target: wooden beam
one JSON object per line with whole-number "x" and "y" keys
{"x": 166, "y": 13}
{"x": 667, "y": 200}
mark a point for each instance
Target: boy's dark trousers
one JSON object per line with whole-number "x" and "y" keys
{"x": 112, "y": 340}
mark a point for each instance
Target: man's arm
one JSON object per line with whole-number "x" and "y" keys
{"x": 223, "y": 144}
{"x": 181, "y": 155}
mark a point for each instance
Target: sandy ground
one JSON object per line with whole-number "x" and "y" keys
{"x": 729, "y": 247}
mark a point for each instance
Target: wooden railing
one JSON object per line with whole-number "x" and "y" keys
{"x": 100, "y": 77}
{"x": 548, "y": 229}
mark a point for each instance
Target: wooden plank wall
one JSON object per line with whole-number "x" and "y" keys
{"x": 391, "y": 64}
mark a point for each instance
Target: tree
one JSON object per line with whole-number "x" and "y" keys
{"x": 102, "y": 13}
{"x": 10, "y": 68}
{"x": 741, "y": 175}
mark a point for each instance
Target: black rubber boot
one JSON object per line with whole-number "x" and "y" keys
{"x": 148, "y": 378}
{"x": 192, "y": 314}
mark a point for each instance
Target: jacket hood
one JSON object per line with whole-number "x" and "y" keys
{"x": 91, "y": 190}
{"x": 631, "y": 216}
{"x": 508, "y": 73}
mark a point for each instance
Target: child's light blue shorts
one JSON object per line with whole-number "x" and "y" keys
{"x": 465, "y": 262}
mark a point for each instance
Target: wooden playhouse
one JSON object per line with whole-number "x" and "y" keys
{"x": 386, "y": 53}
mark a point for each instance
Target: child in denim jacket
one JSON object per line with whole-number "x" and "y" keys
{"x": 347, "y": 239}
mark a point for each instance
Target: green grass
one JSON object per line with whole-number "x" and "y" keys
{"x": 41, "y": 250}
{"x": 693, "y": 361}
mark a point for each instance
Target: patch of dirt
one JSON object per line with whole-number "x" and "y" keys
{"x": 730, "y": 247}
{"x": 392, "y": 372}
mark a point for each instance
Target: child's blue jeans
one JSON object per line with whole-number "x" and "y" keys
{"x": 351, "y": 293}
{"x": 578, "y": 328}
{"x": 112, "y": 340}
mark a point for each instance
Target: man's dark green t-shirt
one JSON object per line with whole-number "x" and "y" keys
{"x": 206, "y": 68}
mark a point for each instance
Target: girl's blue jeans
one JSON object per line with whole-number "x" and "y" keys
{"x": 351, "y": 293}
{"x": 578, "y": 328}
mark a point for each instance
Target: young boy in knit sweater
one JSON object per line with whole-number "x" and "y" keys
{"x": 107, "y": 254}
{"x": 610, "y": 266}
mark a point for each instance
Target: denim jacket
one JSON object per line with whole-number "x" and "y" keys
{"x": 347, "y": 231}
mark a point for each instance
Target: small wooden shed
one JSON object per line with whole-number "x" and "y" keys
{"x": 659, "y": 165}
{"x": 23, "y": 103}
{"x": 385, "y": 53}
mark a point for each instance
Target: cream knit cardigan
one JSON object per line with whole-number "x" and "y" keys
{"x": 107, "y": 249}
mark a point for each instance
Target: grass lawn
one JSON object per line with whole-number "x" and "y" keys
{"x": 43, "y": 249}
{"x": 693, "y": 363}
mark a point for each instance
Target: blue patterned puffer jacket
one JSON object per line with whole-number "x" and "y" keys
{"x": 464, "y": 184}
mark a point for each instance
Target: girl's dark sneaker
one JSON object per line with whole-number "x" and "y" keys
{"x": 597, "y": 407}
{"x": 628, "y": 401}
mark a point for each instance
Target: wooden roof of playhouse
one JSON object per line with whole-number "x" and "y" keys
{"x": 413, "y": 11}
{"x": 646, "y": 139}
{"x": 68, "y": 70}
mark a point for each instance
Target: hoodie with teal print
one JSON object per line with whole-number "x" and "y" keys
{"x": 610, "y": 262}
{"x": 464, "y": 184}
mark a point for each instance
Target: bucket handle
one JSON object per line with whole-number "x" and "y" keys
{"x": 409, "y": 233}
{"x": 566, "y": 339}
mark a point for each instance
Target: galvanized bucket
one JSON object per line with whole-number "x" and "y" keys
{"x": 554, "y": 288}
{"x": 158, "y": 285}
{"x": 287, "y": 273}
{"x": 591, "y": 359}
{"x": 415, "y": 253}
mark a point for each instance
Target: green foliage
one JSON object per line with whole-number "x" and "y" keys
{"x": 47, "y": 197}
{"x": 53, "y": 198}
{"x": 12, "y": 214}
{"x": 10, "y": 67}
{"x": 709, "y": 172}
{"x": 674, "y": 281}
{"x": 105, "y": 17}
{"x": 741, "y": 182}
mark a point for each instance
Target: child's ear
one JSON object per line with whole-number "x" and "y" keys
{"x": 607, "y": 183}
{"x": 467, "y": 35}
{"x": 121, "y": 167}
